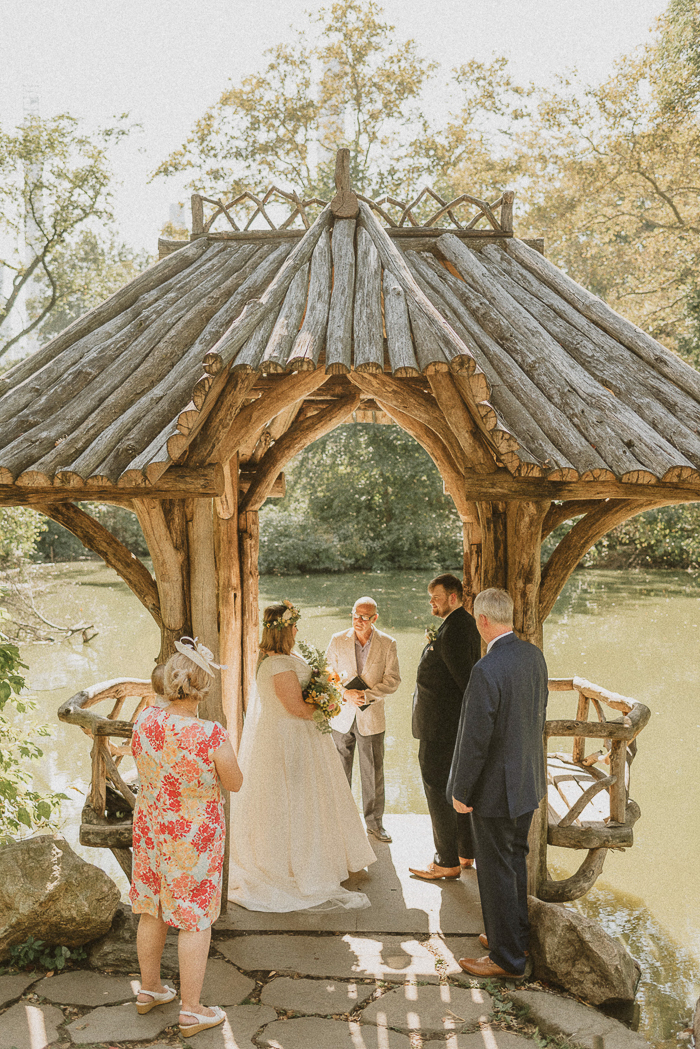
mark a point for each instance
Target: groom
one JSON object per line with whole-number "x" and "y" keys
{"x": 441, "y": 679}
{"x": 366, "y": 652}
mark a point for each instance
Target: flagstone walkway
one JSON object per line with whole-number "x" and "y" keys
{"x": 383, "y": 978}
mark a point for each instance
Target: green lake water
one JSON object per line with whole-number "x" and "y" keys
{"x": 632, "y": 632}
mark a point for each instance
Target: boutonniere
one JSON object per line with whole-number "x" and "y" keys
{"x": 430, "y": 635}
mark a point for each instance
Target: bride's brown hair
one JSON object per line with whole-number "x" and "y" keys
{"x": 276, "y": 638}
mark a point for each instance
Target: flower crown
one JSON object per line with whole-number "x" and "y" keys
{"x": 288, "y": 618}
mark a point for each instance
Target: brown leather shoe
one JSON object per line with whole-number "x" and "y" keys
{"x": 484, "y": 941}
{"x": 484, "y": 967}
{"x": 432, "y": 872}
{"x": 466, "y": 865}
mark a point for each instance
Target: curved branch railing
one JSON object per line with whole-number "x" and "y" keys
{"x": 107, "y": 814}
{"x": 99, "y": 827}
{"x": 620, "y": 747}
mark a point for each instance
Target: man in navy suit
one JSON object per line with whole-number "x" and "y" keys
{"x": 498, "y": 774}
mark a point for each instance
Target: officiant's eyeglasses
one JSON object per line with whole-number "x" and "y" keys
{"x": 365, "y": 619}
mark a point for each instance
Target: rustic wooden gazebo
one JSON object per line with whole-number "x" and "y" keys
{"x": 184, "y": 395}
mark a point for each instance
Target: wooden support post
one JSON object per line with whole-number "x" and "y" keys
{"x": 197, "y": 214}
{"x": 507, "y": 211}
{"x": 471, "y": 543}
{"x": 524, "y": 528}
{"x": 164, "y": 526}
{"x": 228, "y": 570}
{"x": 492, "y": 517}
{"x": 124, "y": 858}
{"x": 618, "y": 791}
{"x": 98, "y": 788}
{"x": 524, "y": 531}
{"x": 203, "y": 583}
{"x": 249, "y": 539}
{"x": 578, "y": 752}
{"x": 228, "y": 574}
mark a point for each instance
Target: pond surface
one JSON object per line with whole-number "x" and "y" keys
{"x": 634, "y": 633}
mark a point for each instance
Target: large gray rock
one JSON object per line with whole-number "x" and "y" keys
{"x": 48, "y": 892}
{"x": 575, "y": 953}
{"x": 117, "y": 950}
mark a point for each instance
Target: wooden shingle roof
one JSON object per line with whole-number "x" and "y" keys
{"x": 547, "y": 379}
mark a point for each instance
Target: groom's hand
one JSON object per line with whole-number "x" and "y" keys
{"x": 353, "y": 695}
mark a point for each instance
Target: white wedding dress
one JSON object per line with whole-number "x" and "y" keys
{"x": 296, "y": 833}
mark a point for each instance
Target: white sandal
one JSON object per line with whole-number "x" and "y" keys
{"x": 159, "y": 998}
{"x": 203, "y": 1022}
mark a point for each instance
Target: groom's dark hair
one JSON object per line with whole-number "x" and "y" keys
{"x": 449, "y": 583}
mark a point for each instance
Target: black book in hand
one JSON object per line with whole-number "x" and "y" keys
{"x": 358, "y": 685}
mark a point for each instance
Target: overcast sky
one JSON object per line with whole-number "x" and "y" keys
{"x": 165, "y": 61}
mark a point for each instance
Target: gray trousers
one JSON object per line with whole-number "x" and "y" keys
{"x": 371, "y": 752}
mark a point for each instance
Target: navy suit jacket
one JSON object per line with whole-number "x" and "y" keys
{"x": 498, "y": 765}
{"x": 442, "y": 676}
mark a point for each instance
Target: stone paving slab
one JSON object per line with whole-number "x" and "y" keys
{"x": 487, "y": 1038}
{"x": 83, "y": 987}
{"x": 314, "y": 1033}
{"x": 322, "y": 997}
{"x": 224, "y": 985}
{"x": 562, "y": 1016}
{"x": 400, "y": 902}
{"x": 336, "y": 957}
{"x": 236, "y": 1032}
{"x": 121, "y": 1023}
{"x": 432, "y": 1010}
{"x": 381, "y": 957}
{"x": 11, "y": 987}
{"x": 27, "y": 1026}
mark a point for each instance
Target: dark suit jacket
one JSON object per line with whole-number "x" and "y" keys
{"x": 498, "y": 765}
{"x": 442, "y": 676}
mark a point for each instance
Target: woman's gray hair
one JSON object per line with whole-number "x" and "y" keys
{"x": 496, "y": 605}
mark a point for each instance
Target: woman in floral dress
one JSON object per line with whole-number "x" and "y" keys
{"x": 179, "y": 833}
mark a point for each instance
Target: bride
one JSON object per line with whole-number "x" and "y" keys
{"x": 296, "y": 833}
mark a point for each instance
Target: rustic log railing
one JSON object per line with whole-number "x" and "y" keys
{"x": 587, "y": 808}
{"x": 425, "y": 211}
{"x": 107, "y": 814}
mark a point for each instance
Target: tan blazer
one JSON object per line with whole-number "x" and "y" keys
{"x": 381, "y": 673}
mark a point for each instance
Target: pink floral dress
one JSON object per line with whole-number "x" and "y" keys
{"x": 179, "y": 828}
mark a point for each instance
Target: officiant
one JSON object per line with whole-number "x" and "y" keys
{"x": 367, "y": 663}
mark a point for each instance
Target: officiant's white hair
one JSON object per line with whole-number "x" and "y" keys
{"x": 496, "y": 605}
{"x": 365, "y": 601}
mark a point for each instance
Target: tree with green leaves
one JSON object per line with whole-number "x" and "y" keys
{"x": 21, "y": 807}
{"x": 345, "y": 81}
{"x": 363, "y": 497}
{"x": 614, "y": 186}
{"x": 55, "y": 181}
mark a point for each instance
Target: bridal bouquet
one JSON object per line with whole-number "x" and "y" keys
{"x": 323, "y": 690}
